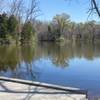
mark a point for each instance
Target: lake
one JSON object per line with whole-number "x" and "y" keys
{"x": 67, "y": 64}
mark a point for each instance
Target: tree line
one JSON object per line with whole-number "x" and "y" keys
{"x": 59, "y": 29}
{"x": 62, "y": 28}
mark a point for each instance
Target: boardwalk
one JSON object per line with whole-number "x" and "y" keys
{"x": 17, "y": 91}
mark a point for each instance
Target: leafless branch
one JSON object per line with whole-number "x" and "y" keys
{"x": 32, "y": 10}
{"x": 95, "y": 7}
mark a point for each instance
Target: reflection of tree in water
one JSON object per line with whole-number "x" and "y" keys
{"x": 20, "y": 60}
{"x": 56, "y": 53}
{"x": 59, "y": 57}
{"x": 61, "y": 54}
{"x": 12, "y": 59}
{"x": 88, "y": 49}
{"x": 83, "y": 49}
{"x": 8, "y": 58}
{"x": 29, "y": 71}
{"x": 27, "y": 53}
{"x": 28, "y": 57}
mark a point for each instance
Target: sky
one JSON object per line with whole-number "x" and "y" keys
{"x": 77, "y": 9}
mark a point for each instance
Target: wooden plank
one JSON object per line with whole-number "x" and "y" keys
{"x": 39, "y": 84}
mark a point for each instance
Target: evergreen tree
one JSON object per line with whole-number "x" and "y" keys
{"x": 12, "y": 24}
{"x": 27, "y": 32}
{"x": 3, "y": 26}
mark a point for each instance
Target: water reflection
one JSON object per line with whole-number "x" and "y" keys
{"x": 8, "y": 58}
{"x": 62, "y": 53}
{"x": 12, "y": 57}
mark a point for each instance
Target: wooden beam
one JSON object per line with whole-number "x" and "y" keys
{"x": 50, "y": 86}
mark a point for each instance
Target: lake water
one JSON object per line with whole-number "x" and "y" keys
{"x": 67, "y": 64}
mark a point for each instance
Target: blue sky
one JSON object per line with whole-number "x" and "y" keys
{"x": 77, "y": 9}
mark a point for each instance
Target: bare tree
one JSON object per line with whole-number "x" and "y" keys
{"x": 1, "y": 5}
{"x": 32, "y": 10}
{"x": 25, "y": 9}
{"x": 94, "y": 6}
{"x": 17, "y": 8}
